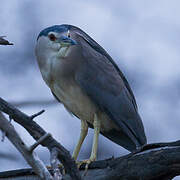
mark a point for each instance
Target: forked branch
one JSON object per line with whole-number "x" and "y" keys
{"x": 37, "y": 133}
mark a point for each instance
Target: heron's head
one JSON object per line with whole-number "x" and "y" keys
{"x": 54, "y": 41}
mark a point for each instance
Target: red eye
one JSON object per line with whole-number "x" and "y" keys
{"x": 52, "y": 37}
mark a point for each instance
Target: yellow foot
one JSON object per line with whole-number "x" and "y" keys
{"x": 87, "y": 162}
{"x": 48, "y": 167}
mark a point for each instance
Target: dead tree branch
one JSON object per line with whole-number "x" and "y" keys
{"x": 4, "y": 41}
{"x": 30, "y": 157}
{"x": 37, "y": 132}
{"x": 160, "y": 161}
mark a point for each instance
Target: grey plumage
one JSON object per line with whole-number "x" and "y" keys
{"x": 105, "y": 84}
{"x": 92, "y": 74}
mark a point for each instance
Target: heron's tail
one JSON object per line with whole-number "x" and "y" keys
{"x": 123, "y": 140}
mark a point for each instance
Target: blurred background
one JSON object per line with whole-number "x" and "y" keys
{"x": 143, "y": 37}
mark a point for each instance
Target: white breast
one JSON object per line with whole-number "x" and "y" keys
{"x": 75, "y": 100}
{"x": 79, "y": 104}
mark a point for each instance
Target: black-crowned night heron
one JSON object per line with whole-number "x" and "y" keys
{"x": 86, "y": 80}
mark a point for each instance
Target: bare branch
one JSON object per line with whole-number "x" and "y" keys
{"x": 4, "y": 41}
{"x": 39, "y": 141}
{"x": 31, "y": 158}
{"x": 37, "y": 132}
{"x": 37, "y": 114}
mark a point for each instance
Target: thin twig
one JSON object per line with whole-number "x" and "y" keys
{"x": 4, "y": 41}
{"x": 37, "y": 114}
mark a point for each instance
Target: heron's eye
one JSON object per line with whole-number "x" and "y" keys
{"x": 52, "y": 37}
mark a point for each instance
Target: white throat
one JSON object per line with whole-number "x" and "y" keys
{"x": 63, "y": 52}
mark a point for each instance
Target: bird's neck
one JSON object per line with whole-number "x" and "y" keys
{"x": 63, "y": 52}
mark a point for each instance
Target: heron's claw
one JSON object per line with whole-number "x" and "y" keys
{"x": 86, "y": 162}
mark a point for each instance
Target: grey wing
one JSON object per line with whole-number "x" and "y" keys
{"x": 102, "y": 82}
{"x": 93, "y": 44}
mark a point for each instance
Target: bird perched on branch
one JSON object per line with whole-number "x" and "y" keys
{"x": 86, "y": 80}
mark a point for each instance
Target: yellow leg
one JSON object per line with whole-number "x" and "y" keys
{"x": 84, "y": 130}
{"x": 93, "y": 156}
{"x": 96, "y": 125}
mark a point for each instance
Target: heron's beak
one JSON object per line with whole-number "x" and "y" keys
{"x": 66, "y": 41}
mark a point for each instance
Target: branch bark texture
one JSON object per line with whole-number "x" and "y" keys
{"x": 4, "y": 41}
{"x": 30, "y": 157}
{"x": 160, "y": 163}
{"x": 37, "y": 132}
